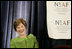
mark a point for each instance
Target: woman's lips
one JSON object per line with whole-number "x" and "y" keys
{"x": 21, "y": 31}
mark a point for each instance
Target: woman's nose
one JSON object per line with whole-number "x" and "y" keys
{"x": 20, "y": 28}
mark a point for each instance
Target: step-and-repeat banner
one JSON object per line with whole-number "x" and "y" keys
{"x": 59, "y": 19}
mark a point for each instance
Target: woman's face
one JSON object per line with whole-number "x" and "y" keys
{"x": 21, "y": 29}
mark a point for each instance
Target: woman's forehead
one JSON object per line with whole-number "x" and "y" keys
{"x": 20, "y": 24}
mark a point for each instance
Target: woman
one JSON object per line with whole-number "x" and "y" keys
{"x": 23, "y": 40}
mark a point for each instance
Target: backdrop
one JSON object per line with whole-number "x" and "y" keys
{"x": 34, "y": 12}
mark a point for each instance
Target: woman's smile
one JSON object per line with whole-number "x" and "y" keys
{"x": 21, "y": 31}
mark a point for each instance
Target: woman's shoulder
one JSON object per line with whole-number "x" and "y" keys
{"x": 32, "y": 36}
{"x": 13, "y": 39}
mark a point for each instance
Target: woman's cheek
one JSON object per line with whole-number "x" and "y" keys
{"x": 18, "y": 31}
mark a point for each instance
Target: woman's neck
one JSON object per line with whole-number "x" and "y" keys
{"x": 23, "y": 36}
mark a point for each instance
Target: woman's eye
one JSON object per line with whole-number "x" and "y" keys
{"x": 17, "y": 27}
{"x": 21, "y": 26}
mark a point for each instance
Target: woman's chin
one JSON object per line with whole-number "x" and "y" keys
{"x": 22, "y": 33}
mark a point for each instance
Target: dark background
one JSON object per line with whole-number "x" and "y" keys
{"x": 36, "y": 20}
